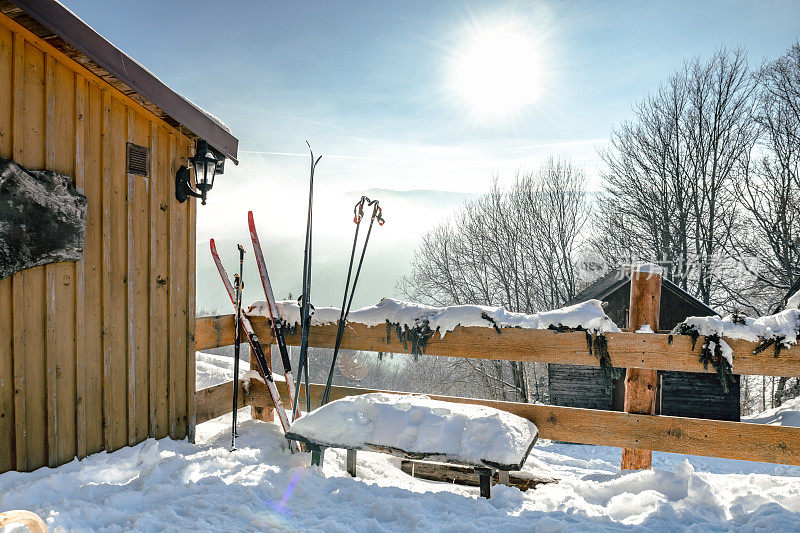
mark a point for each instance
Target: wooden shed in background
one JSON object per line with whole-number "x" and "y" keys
{"x": 98, "y": 354}
{"x": 690, "y": 394}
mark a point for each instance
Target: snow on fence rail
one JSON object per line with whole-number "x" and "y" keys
{"x": 627, "y": 350}
{"x": 731, "y": 440}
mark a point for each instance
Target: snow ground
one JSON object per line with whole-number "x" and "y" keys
{"x": 169, "y": 485}
{"x": 787, "y": 414}
{"x": 215, "y": 369}
{"x": 178, "y": 486}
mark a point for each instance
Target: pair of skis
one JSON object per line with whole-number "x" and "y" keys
{"x": 255, "y": 344}
{"x": 305, "y": 309}
{"x": 305, "y": 298}
{"x": 277, "y": 324}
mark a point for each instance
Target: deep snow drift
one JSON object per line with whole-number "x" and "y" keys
{"x": 178, "y": 486}
{"x": 787, "y": 414}
{"x": 443, "y": 431}
{"x": 588, "y": 315}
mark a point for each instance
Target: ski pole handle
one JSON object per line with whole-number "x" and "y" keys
{"x": 358, "y": 210}
{"x": 377, "y": 211}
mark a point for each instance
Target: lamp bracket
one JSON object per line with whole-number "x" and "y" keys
{"x": 183, "y": 188}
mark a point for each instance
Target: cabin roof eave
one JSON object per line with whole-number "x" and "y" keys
{"x": 51, "y": 21}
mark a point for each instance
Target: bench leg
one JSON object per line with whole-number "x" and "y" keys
{"x": 351, "y": 462}
{"x": 317, "y": 456}
{"x": 502, "y": 478}
{"x": 485, "y": 475}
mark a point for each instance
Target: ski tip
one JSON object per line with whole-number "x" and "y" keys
{"x": 212, "y": 245}
{"x": 250, "y": 216}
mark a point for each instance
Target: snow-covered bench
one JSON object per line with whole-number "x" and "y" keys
{"x": 417, "y": 427}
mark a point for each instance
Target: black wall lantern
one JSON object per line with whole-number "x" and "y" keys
{"x": 207, "y": 163}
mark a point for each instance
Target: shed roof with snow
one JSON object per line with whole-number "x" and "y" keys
{"x": 615, "y": 289}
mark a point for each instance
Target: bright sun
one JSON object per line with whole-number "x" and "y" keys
{"x": 498, "y": 72}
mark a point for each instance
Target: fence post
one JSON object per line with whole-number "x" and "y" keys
{"x": 260, "y": 412}
{"x": 641, "y": 385}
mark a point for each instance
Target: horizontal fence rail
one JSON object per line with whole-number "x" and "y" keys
{"x": 711, "y": 438}
{"x": 627, "y": 350}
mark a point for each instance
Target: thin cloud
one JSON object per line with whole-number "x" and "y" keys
{"x": 558, "y": 144}
{"x": 325, "y": 156}
{"x": 580, "y": 142}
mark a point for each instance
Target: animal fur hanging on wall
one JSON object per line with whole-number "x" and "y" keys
{"x": 42, "y": 218}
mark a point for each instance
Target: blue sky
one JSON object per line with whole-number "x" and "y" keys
{"x": 371, "y": 86}
{"x": 355, "y": 76}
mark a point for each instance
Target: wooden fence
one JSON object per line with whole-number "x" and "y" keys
{"x": 731, "y": 440}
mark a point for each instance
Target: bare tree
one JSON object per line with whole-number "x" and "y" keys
{"x": 770, "y": 192}
{"x": 779, "y": 110}
{"x": 721, "y": 136}
{"x": 705, "y": 177}
{"x": 552, "y": 209}
{"x": 772, "y": 199}
{"x": 514, "y": 249}
{"x": 669, "y": 192}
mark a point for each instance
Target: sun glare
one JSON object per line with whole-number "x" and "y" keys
{"x": 498, "y": 72}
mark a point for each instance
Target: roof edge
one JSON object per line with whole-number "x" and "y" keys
{"x": 615, "y": 278}
{"x": 86, "y": 40}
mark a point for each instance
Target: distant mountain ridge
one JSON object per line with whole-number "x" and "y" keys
{"x": 427, "y": 195}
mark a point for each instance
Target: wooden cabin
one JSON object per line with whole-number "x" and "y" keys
{"x": 97, "y": 354}
{"x": 689, "y": 394}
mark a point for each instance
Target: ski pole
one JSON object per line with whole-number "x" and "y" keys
{"x": 238, "y": 284}
{"x": 358, "y": 211}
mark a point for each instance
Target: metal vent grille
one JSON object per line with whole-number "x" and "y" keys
{"x": 138, "y": 159}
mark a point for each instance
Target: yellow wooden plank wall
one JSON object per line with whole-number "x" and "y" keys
{"x": 98, "y": 354}
{"x": 7, "y": 446}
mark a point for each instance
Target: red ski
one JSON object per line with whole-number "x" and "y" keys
{"x": 272, "y": 306}
{"x": 252, "y": 338}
